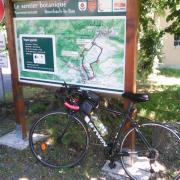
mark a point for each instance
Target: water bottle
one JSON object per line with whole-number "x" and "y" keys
{"x": 100, "y": 126}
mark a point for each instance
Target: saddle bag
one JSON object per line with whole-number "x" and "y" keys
{"x": 90, "y": 103}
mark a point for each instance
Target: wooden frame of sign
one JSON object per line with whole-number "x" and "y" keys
{"x": 130, "y": 65}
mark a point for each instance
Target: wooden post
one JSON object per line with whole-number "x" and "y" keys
{"x": 17, "y": 88}
{"x": 2, "y": 85}
{"x": 131, "y": 51}
{"x": 131, "y": 45}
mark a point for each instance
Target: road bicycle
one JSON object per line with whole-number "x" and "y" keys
{"x": 60, "y": 139}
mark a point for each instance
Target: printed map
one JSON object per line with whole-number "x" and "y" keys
{"x": 89, "y": 52}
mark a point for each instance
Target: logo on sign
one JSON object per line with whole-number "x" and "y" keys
{"x": 119, "y": 5}
{"x": 1, "y": 10}
{"x": 92, "y": 5}
{"x": 82, "y": 5}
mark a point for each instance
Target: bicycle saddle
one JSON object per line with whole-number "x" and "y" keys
{"x": 136, "y": 97}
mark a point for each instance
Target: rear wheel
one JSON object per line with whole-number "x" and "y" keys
{"x": 161, "y": 161}
{"x": 59, "y": 140}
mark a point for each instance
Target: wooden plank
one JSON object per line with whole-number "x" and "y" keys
{"x": 17, "y": 88}
{"x": 131, "y": 53}
{"x": 131, "y": 45}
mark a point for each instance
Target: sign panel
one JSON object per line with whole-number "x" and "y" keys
{"x": 3, "y": 60}
{"x": 2, "y": 42}
{"x": 79, "y": 42}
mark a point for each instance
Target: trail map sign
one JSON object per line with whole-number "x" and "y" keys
{"x": 79, "y": 42}
{"x": 3, "y": 60}
{"x": 2, "y": 42}
{"x": 3, "y": 53}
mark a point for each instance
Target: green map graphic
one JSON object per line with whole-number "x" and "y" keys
{"x": 89, "y": 52}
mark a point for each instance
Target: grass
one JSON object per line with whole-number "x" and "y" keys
{"x": 164, "y": 99}
{"x": 170, "y": 72}
{"x": 28, "y": 93}
{"x": 163, "y": 105}
{"x": 16, "y": 164}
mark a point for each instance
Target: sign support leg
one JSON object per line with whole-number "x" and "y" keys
{"x": 17, "y": 88}
{"x": 131, "y": 55}
{"x": 2, "y": 82}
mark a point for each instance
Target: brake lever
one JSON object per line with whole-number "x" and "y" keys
{"x": 65, "y": 85}
{"x": 72, "y": 89}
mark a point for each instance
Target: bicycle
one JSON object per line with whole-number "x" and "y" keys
{"x": 60, "y": 139}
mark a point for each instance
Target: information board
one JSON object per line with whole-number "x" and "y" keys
{"x": 79, "y": 42}
{"x": 3, "y": 53}
{"x": 2, "y": 42}
{"x": 3, "y": 60}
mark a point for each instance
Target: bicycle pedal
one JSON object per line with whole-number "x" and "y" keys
{"x": 123, "y": 153}
{"x": 112, "y": 165}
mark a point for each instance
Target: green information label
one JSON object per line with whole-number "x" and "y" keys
{"x": 81, "y": 42}
{"x": 37, "y": 53}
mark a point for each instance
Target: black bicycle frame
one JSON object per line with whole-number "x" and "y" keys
{"x": 126, "y": 118}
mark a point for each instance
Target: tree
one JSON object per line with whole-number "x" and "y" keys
{"x": 2, "y": 26}
{"x": 150, "y": 35}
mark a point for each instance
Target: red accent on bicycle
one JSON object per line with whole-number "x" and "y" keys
{"x": 72, "y": 107}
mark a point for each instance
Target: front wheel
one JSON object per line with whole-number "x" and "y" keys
{"x": 161, "y": 160}
{"x": 59, "y": 140}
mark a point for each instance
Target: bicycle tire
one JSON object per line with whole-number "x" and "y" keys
{"x": 164, "y": 154}
{"x": 177, "y": 177}
{"x": 59, "y": 140}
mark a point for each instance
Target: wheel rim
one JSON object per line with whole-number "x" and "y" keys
{"x": 163, "y": 165}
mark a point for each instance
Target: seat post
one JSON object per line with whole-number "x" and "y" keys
{"x": 130, "y": 106}
{"x": 130, "y": 144}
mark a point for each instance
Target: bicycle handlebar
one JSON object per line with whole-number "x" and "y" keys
{"x": 71, "y": 89}
{"x": 68, "y": 91}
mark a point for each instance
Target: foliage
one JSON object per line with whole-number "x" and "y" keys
{"x": 150, "y": 44}
{"x": 173, "y": 17}
{"x": 2, "y": 26}
{"x": 150, "y": 36}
